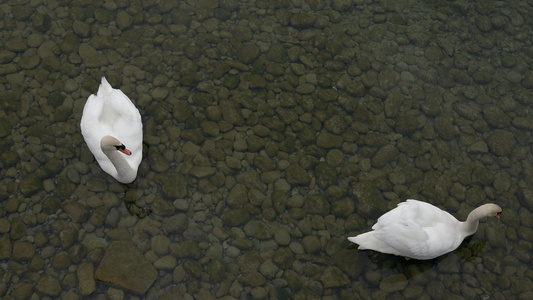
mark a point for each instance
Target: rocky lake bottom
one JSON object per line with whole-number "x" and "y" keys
{"x": 273, "y": 130}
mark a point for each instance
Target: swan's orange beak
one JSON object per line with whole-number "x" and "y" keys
{"x": 125, "y": 151}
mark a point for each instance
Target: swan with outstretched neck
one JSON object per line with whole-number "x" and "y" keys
{"x": 419, "y": 230}
{"x": 112, "y": 128}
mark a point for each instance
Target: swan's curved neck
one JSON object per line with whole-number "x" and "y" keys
{"x": 125, "y": 172}
{"x": 472, "y": 221}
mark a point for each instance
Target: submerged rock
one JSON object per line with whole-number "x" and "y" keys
{"x": 369, "y": 202}
{"x": 49, "y": 286}
{"x": 334, "y": 277}
{"x": 87, "y": 286}
{"x": 393, "y": 283}
{"x": 124, "y": 266}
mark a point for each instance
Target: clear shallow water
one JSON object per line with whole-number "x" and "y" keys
{"x": 272, "y": 132}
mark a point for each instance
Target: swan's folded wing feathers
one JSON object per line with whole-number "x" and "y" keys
{"x": 404, "y": 211}
{"x": 122, "y": 104}
{"x": 129, "y": 126}
{"x": 406, "y": 236}
{"x": 90, "y": 127}
{"x": 443, "y": 240}
{"x": 121, "y": 114}
{"x": 93, "y": 131}
{"x": 403, "y": 228}
{"x": 91, "y": 111}
{"x": 422, "y": 234}
{"x": 425, "y": 214}
{"x": 126, "y": 124}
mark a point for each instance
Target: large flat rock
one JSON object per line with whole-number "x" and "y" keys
{"x": 124, "y": 266}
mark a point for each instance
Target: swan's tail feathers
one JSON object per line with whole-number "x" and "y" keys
{"x": 365, "y": 240}
{"x": 352, "y": 239}
{"x": 368, "y": 241}
{"x": 104, "y": 84}
{"x": 105, "y": 90}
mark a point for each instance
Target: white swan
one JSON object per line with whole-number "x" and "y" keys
{"x": 419, "y": 230}
{"x": 109, "y": 124}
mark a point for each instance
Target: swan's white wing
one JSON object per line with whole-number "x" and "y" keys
{"x": 412, "y": 240}
{"x": 93, "y": 131}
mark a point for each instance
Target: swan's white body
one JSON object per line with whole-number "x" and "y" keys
{"x": 419, "y": 230}
{"x": 111, "y": 113}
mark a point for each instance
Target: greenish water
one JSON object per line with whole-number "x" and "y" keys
{"x": 273, "y": 130}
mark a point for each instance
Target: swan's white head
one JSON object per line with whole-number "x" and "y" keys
{"x": 109, "y": 143}
{"x": 493, "y": 210}
{"x": 485, "y": 210}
